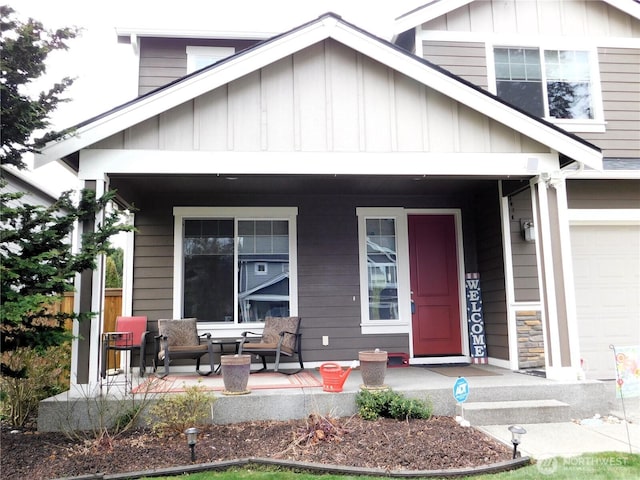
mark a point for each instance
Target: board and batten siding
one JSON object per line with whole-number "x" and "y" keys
{"x": 619, "y": 67}
{"x": 326, "y": 97}
{"x": 586, "y": 18}
{"x": 525, "y": 271}
{"x": 163, "y": 60}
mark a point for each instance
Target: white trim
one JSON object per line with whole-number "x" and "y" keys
{"x": 185, "y": 33}
{"x": 500, "y": 362}
{"x": 427, "y": 13}
{"x": 95, "y": 163}
{"x": 97, "y": 300}
{"x": 514, "y": 38}
{"x": 509, "y": 283}
{"x": 597, "y": 124}
{"x": 325, "y": 27}
{"x": 540, "y": 202}
{"x": 569, "y": 284}
{"x": 439, "y": 8}
{"x": 234, "y": 329}
{"x": 602, "y": 175}
{"x": 403, "y": 323}
{"x": 439, "y": 360}
{"x": 613, "y": 216}
{"x": 127, "y": 273}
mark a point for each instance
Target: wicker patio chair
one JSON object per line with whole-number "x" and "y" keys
{"x": 179, "y": 339}
{"x": 281, "y": 336}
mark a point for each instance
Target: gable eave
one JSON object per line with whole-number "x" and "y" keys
{"x": 438, "y": 8}
{"x": 327, "y": 26}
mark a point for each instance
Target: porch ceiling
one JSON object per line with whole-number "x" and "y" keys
{"x": 140, "y": 189}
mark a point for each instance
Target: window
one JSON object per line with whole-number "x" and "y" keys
{"x": 383, "y": 257}
{"x": 382, "y": 268}
{"x": 200, "y": 57}
{"x": 556, "y": 84}
{"x": 233, "y": 266}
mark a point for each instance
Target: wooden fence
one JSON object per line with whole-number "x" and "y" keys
{"x": 112, "y": 309}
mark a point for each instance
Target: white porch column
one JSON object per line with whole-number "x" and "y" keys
{"x": 555, "y": 270}
{"x": 89, "y": 297}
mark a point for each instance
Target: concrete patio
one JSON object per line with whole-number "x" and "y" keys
{"x": 500, "y": 397}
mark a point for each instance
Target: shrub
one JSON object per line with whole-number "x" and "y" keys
{"x": 46, "y": 374}
{"x": 177, "y": 412}
{"x": 387, "y": 403}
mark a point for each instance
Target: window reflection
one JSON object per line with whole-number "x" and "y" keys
{"x": 382, "y": 268}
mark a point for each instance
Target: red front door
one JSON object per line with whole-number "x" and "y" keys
{"x": 434, "y": 284}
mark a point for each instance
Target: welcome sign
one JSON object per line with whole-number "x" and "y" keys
{"x": 475, "y": 319}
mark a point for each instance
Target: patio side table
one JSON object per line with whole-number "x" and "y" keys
{"x": 222, "y": 342}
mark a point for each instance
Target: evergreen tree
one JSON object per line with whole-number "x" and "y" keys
{"x": 24, "y": 47}
{"x": 37, "y": 265}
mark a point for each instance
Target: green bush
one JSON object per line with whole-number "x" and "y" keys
{"x": 46, "y": 375}
{"x": 176, "y": 412}
{"x": 389, "y": 404}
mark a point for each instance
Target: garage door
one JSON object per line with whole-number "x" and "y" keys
{"x": 607, "y": 278}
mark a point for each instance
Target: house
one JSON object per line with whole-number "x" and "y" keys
{"x": 576, "y": 64}
{"x": 331, "y": 174}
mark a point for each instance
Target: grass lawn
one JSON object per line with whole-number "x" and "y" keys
{"x": 598, "y": 466}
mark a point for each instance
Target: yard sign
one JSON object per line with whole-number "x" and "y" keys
{"x": 475, "y": 318}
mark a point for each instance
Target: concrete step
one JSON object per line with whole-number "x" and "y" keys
{"x": 514, "y": 412}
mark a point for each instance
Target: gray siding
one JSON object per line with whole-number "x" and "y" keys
{"x": 163, "y": 60}
{"x": 328, "y": 273}
{"x": 603, "y": 193}
{"x": 465, "y": 59}
{"x": 491, "y": 269}
{"x": 525, "y": 271}
{"x": 620, "y": 77}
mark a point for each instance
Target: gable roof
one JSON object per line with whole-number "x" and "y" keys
{"x": 437, "y": 8}
{"x": 327, "y": 26}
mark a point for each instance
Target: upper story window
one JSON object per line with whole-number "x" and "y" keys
{"x": 560, "y": 85}
{"x": 200, "y": 57}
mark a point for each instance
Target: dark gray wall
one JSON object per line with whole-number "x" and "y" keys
{"x": 328, "y": 272}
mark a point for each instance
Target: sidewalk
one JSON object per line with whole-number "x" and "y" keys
{"x": 591, "y": 435}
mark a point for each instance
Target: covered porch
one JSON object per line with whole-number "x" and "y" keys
{"x": 505, "y": 397}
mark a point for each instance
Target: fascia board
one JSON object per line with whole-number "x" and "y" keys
{"x": 630, "y": 7}
{"x": 428, "y": 12}
{"x": 185, "y": 90}
{"x": 437, "y": 8}
{"x": 470, "y": 97}
{"x": 94, "y": 164}
{"x": 170, "y": 33}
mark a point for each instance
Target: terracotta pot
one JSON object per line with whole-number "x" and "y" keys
{"x": 235, "y": 373}
{"x": 373, "y": 368}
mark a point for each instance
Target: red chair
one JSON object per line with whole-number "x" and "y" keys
{"x": 137, "y": 328}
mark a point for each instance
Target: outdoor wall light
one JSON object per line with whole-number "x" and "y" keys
{"x": 528, "y": 230}
{"x": 192, "y": 438}
{"x": 516, "y": 433}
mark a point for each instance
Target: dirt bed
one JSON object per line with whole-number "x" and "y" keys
{"x": 437, "y": 443}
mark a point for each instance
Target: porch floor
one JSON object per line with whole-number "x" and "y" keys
{"x": 585, "y": 398}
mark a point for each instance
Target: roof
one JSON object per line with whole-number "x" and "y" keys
{"x": 324, "y": 27}
{"x": 437, "y": 8}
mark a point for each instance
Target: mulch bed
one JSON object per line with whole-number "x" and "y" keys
{"x": 437, "y": 443}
